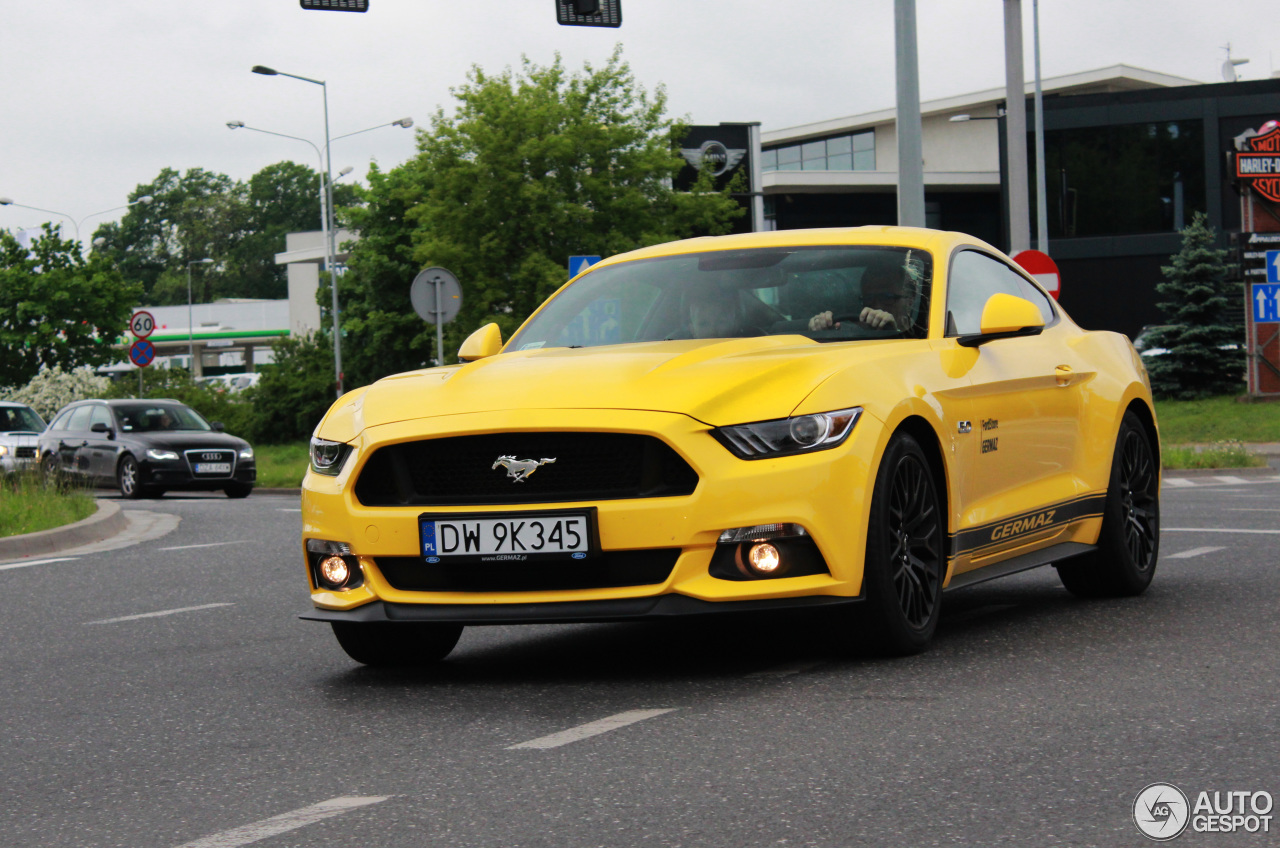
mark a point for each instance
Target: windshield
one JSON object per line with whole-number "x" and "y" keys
{"x": 825, "y": 293}
{"x": 155, "y": 417}
{"x": 20, "y": 419}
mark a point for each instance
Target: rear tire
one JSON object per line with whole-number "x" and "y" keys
{"x": 397, "y": 645}
{"x": 1129, "y": 544}
{"x": 906, "y": 555}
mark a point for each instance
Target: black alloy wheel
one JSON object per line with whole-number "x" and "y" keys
{"x": 906, "y": 554}
{"x": 1129, "y": 544}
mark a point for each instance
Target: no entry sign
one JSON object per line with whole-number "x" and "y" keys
{"x": 1044, "y": 269}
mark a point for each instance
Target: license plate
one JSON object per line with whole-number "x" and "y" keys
{"x": 514, "y": 537}
{"x": 213, "y": 468}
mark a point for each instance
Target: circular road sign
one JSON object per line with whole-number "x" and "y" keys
{"x": 142, "y": 353}
{"x": 142, "y": 324}
{"x": 422, "y": 294}
{"x": 1044, "y": 269}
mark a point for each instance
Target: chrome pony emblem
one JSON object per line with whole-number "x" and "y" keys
{"x": 520, "y": 469}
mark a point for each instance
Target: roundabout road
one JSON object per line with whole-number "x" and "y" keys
{"x": 163, "y": 693}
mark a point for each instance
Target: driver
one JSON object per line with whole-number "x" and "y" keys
{"x": 713, "y": 313}
{"x": 886, "y": 299}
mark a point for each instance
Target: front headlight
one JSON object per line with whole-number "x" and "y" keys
{"x": 161, "y": 455}
{"x": 4, "y": 450}
{"x": 246, "y": 452}
{"x": 788, "y": 436}
{"x": 327, "y": 457}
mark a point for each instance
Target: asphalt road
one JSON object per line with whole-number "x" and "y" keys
{"x": 1035, "y": 719}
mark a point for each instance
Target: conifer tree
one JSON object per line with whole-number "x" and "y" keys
{"x": 1203, "y": 354}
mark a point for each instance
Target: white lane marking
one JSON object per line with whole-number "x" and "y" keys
{"x": 208, "y": 545}
{"x": 1250, "y": 509}
{"x": 1217, "y": 530}
{"x": 35, "y": 562}
{"x": 1235, "y": 481}
{"x": 288, "y": 509}
{"x": 285, "y": 822}
{"x": 787, "y": 669}
{"x": 594, "y": 728}
{"x": 1194, "y": 552}
{"x": 1178, "y": 482}
{"x": 158, "y": 614}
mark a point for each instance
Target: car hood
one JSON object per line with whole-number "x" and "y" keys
{"x": 186, "y": 440}
{"x": 717, "y": 382}
{"x": 19, "y": 438}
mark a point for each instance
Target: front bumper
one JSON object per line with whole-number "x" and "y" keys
{"x": 176, "y": 474}
{"x": 826, "y": 492}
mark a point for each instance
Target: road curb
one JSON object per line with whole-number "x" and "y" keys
{"x": 102, "y": 525}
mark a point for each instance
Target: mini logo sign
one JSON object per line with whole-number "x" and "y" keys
{"x": 714, "y": 157}
{"x": 1161, "y": 812}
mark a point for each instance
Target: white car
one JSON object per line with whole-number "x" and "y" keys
{"x": 20, "y": 425}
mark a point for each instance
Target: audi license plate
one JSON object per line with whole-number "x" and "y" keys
{"x": 516, "y": 537}
{"x": 213, "y": 468}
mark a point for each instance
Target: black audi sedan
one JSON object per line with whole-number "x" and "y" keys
{"x": 146, "y": 447}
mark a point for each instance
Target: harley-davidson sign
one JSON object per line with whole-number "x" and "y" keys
{"x": 1259, "y": 166}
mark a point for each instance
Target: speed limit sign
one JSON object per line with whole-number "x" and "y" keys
{"x": 142, "y": 324}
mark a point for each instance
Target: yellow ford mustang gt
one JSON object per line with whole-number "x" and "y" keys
{"x": 848, "y": 420}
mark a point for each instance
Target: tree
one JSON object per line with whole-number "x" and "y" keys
{"x": 1203, "y": 355}
{"x": 295, "y": 391}
{"x": 533, "y": 167}
{"x": 58, "y": 310}
{"x": 201, "y": 214}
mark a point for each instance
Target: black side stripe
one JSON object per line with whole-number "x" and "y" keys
{"x": 998, "y": 532}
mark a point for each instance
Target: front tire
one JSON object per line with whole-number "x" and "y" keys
{"x": 397, "y": 645}
{"x": 906, "y": 553}
{"x": 238, "y": 490}
{"x": 127, "y": 474}
{"x": 1129, "y": 543}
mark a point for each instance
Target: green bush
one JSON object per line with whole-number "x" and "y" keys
{"x": 295, "y": 391}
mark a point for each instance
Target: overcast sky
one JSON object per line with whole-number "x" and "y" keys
{"x": 99, "y": 95}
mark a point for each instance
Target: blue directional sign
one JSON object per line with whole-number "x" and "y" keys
{"x": 142, "y": 353}
{"x": 1266, "y": 301}
{"x": 578, "y": 264}
{"x": 1273, "y": 266}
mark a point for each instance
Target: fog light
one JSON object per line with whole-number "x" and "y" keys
{"x": 335, "y": 571}
{"x": 763, "y": 558}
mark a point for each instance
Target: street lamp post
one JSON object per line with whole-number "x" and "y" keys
{"x": 8, "y": 201}
{"x": 326, "y": 202}
{"x": 191, "y": 344}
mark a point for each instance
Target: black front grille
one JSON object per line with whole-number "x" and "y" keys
{"x": 25, "y": 453}
{"x": 465, "y": 470}
{"x": 208, "y": 455}
{"x": 608, "y": 570}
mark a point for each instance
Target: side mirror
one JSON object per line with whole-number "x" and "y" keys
{"x": 1005, "y": 316}
{"x": 217, "y": 426}
{"x": 485, "y": 341}
{"x": 100, "y": 428}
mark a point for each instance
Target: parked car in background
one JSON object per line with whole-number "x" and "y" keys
{"x": 145, "y": 448}
{"x": 20, "y": 425}
{"x": 230, "y": 382}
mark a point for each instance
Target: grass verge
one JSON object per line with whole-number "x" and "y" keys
{"x": 1217, "y": 419}
{"x": 27, "y": 505}
{"x": 1218, "y": 455}
{"x": 281, "y": 466}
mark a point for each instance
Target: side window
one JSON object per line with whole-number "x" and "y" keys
{"x": 101, "y": 415}
{"x": 60, "y": 423}
{"x": 974, "y": 278}
{"x": 79, "y": 420}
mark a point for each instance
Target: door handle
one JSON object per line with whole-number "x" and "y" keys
{"x": 1063, "y": 375}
